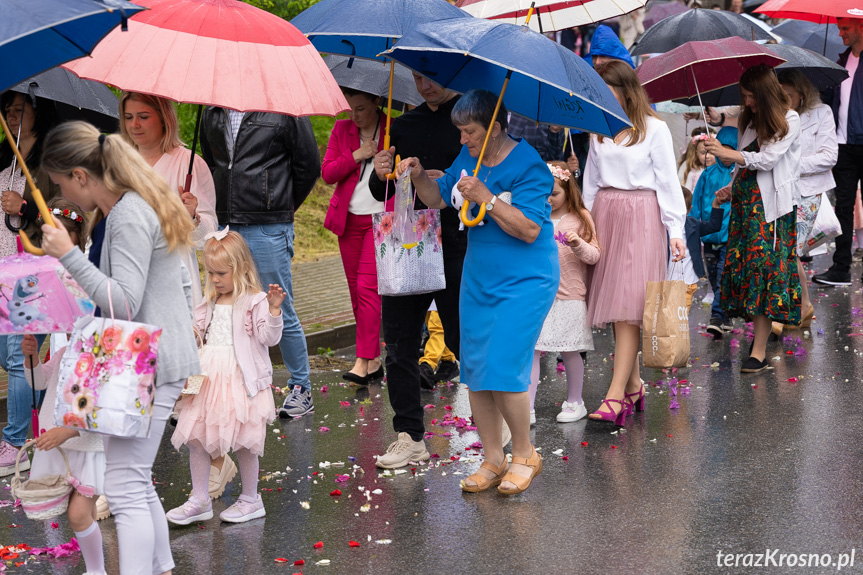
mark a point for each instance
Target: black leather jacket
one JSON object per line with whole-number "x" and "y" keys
{"x": 275, "y": 165}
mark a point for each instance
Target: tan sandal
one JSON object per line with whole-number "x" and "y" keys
{"x": 481, "y": 482}
{"x": 520, "y": 481}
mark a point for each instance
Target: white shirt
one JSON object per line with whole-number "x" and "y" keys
{"x": 845, "y": 97}
{"x": 362, "y": 203}
{"x": 819, "y": 151}
{"x": 647, "y": 165}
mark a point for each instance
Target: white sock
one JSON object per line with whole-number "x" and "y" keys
{"x": 90, "y": 542}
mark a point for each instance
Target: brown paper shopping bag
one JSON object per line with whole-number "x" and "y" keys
{"x": 665, "y": 334}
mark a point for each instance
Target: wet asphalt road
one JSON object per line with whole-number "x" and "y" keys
{"x": 746, "y": 464}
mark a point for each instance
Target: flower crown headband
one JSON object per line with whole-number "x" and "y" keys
{"x": 559, "y": 173}
{"x": 67, "y": 213}
{"x": 699, "y": 138}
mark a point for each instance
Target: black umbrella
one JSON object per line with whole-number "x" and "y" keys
{"x": 76, "y": 99}
{"x": 820, "y": 38}
{"x": 696, "y": 24}
{"x": 374, "y": 78}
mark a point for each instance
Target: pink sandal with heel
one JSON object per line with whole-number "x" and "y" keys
{"x": 610, "y": 416}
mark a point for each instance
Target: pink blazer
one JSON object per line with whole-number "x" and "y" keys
{"x": 254, "y": 331}
{"x": 339, "y": 168}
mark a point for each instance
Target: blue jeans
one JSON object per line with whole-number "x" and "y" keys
{"x": 714, "y": 261}
{"x": 272, "y": 247}
{"x": 19, "y": 402}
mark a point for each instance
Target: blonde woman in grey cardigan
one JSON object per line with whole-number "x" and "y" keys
{"x": 147, "y": 229}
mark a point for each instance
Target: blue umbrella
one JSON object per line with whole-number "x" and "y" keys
{"x": 371, "y": 27}
{"x": 36, "y": 35}
{"x": 535, "y": 77}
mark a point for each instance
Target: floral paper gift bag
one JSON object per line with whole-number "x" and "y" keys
{"x": 107, "y": 377}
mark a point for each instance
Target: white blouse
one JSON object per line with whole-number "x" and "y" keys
{"x": 819, "y": 150}
{"x": 647, "y": 165}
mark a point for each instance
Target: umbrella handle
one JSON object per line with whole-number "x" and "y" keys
{"x": 465, "y": 218}
{"x": 390, "y": 106}
{"x": 37, "y": 195}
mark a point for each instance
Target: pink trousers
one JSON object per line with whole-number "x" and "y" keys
{"x": 357, "y": 247}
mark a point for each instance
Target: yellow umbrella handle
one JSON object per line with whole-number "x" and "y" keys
{"x": 465, "y": 218}
{"x": 37, "y": 195}
{"x": 392, "y": 176}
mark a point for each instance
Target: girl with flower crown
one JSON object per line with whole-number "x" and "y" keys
{"x": 695, "y": 160}
{"x": 237, "y": 323}
{"x": 566, "y": 329}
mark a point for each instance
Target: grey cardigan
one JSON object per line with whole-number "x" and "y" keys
{"x": 154, "y": 282}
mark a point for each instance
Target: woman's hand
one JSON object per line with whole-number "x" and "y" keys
{"x": 678, "y": 249}
{"x": 723, "y": 195}
{"x": 474, "y": 190}
{"x": 190, "y": 202}
{"x": 275, "y": 297}
{"x": 56, "y": 241}
{"x": 417, "y": 170}
{"x": 384, "y": 163}
{"x": 572, "y": 163}
{"x": 30, "y": 348}
{"x": 54, "y": 438}
{"x": 720, "y": 152}
{"x": 11, "y": 203}
{"x": 573, "y": 239}
{"x": 368, "y": 150}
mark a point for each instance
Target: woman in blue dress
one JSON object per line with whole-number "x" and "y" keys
{"x": 510, "y": 278}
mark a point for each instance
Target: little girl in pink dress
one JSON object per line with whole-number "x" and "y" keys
{"x": 237, "y": 322}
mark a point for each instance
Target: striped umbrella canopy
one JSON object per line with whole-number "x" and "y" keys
{"x": 550, "y": 15}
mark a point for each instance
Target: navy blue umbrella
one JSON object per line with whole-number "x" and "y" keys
{"x": 36, "y": 35}
{"x": 819, "y": 38}
{"x": 534, "y": 76}
{"x": 365, "y": 29}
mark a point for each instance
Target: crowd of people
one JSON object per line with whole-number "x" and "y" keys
{"x": 562, "y": 252}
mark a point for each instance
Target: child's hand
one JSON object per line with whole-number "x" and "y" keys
{"x": 275, "y": 297}
{"x": 54, "y": 438}
{"x": 573, "y": 239}
{"x": 723, "y": 195}
{"x": 30, "y": 348}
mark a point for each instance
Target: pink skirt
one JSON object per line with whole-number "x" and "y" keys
{"x": 634, "y": 251}
{"x": 222, "y": 416}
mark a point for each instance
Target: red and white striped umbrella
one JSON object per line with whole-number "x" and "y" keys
{"x": 550, "y": 15}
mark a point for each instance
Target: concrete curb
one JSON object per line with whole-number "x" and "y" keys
{"x": 336, "y": 338}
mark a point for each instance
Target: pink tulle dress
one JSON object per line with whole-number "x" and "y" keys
{"x": 222, "y": 416}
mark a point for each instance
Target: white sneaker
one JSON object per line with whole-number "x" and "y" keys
{"x": 402, "y": 451}
{"x": 242, "y": 510}
{"x": 190, "y": 512}
{"x": 708, "y": 299}
{"x": 571, "y": 412}
{"x": 533, "y": 417}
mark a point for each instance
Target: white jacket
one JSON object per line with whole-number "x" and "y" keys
{"x": 819, "y": 150}
{"x": 778, "y": 166}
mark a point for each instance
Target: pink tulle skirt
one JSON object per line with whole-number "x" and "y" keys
{"x": 634, "y": 251}
{"x": 222, "y": 416}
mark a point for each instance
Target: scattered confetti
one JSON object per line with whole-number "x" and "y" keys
{"x": 319, "y": 545}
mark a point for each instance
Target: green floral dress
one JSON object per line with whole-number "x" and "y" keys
{"x": 758, "y": 279}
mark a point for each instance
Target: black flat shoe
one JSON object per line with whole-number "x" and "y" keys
{"x": 354, "y": 378}
{"x": 752, "y": 365}
{"x": 377, "y": 374}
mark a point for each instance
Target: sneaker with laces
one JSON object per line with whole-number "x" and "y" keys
{"x": 447, "y": 371}
{"x": 243, "y": 510}
{"x": 219, "y": 478}
{"x": 714, "y": 328}
{"x": 297, "y": 404}
{"x": 8, "y": 454}
{"x": 190, "y": 511}
{"x": 708, "y": 299}
{"x": 402, "y": 451}
{"x": 570, "y": 412}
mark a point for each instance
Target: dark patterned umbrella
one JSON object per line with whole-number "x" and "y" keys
{"x": 699, "y": 25}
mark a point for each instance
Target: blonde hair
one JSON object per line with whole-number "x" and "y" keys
{"x": 78, "y": 145}
{"x": 233, "y": 253}
{"x": 167, "y": 114}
